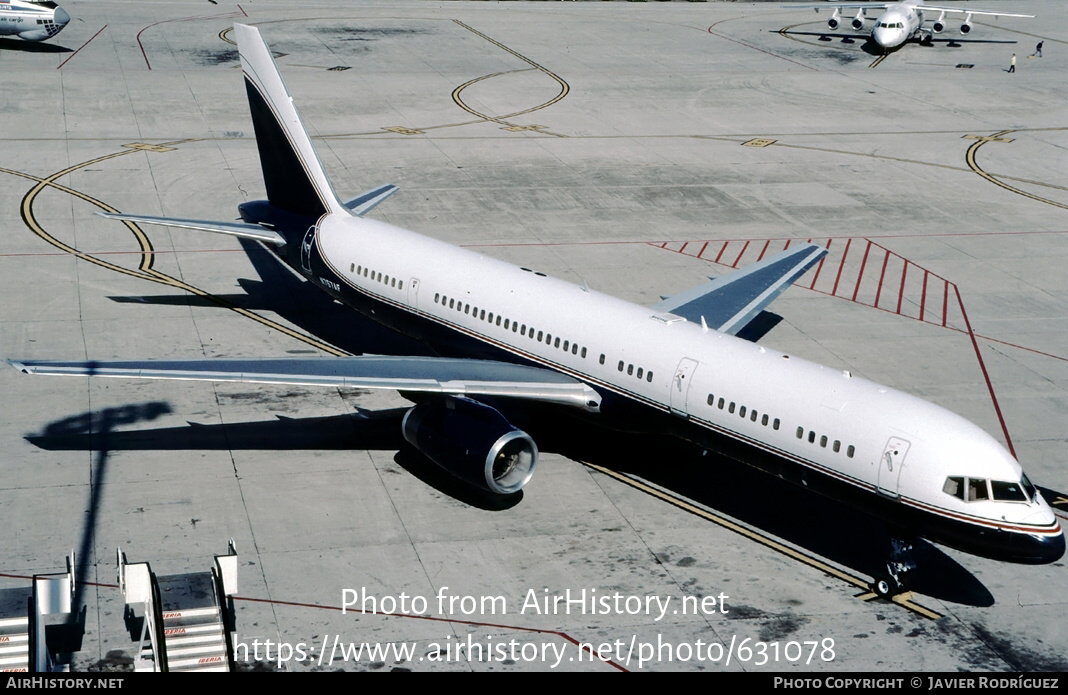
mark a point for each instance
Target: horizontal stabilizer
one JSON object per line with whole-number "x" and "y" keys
{"x": 238, "y": 229}
{"x": 363, "y": 203}
{"x": 457, "y": 377}
{"x": 728, "y": 303}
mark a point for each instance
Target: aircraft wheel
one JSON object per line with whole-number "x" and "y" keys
{"x": 884, "y": 588}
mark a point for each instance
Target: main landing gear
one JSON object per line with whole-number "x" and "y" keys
{"x": 896, "y": 578}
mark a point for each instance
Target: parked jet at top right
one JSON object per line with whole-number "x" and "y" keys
{"x": 901, "y": 21}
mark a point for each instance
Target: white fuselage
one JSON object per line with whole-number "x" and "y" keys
{"x": 897, "y": 25}
{"x": 32, "y": 20}
{"x": 874, "y": 438}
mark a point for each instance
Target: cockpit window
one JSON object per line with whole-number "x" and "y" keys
{"x": 977, "y": 490}
{"x": 1007, "y": 492}
{"x": 1029, "y": 489}
{"x": 955, "y": 487}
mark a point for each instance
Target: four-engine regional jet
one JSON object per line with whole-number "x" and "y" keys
{"x": 32, "y": 20}
{"x": 505, "y": 334}
{"x": 901, "y": 21}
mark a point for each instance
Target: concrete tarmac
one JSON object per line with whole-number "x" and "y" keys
{"x": 638, "y": 148}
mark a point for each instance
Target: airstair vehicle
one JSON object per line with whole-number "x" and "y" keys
{"x": 187, "y": 620}
{"x": 24, "y": 631}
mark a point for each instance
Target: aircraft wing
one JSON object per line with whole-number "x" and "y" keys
{"x": 840, "y": 6}
{"x": 238, "y": 229}
{"x": 729, "y": 302}
{"x": 965, "y": 10}
{"x": 863, "y": 37}
{"x": 457, "y": 377}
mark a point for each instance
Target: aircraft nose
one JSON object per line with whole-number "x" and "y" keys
{"x": 61, "y": 17}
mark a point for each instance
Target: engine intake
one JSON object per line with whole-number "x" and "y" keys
{"x": 473, "y": 442}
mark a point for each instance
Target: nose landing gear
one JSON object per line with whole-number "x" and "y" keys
{"x": 898, "y": 568}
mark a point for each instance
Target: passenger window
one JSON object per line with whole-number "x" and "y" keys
{"x": 436, "y": 297}
{"x": 837, "y": 446}
{"x": 583, "y": 355}
{"x": 823, "y": 442}
{"x": 711, "y": 399}
{"x": 352, "y": 267}
{"x": 753, "y": 415}
{"x": 730, "y": 408}
{"x": 764, "y": 420}
{"x": 567, "y": 344}
{"x": 775, "y": 425}
{"x": 741, "y": 411}
{"x": 800, "y": 432}
{"x": 721, "y": 403}
{"x": 620, "y": 365}
{"x": 649, "y": 377}
{"x": 630, "y": 369}
{"x": 850, "y": 450}
{"x": 602, "y": 358}
{"x": 539, "y": 336}
{"x": 640, "y": 373}
{"x": 811, "y": 437}
{"x": 400, "y": 285}
{"x": 556, "y": 343}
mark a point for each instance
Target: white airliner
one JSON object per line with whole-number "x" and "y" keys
{"x": 33, "y": 20}
{"x": 505, "y": 334}
{"x": 901, "y": 21}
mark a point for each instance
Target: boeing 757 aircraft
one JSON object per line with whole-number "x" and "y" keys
{"x": 901, "y": 21}
{"x": 33, "y": 20}
{"x": 505, "y": 334}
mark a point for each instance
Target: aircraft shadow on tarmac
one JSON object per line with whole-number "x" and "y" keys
{"x": 7, "y": 44}
{"x": 813, "y": 523}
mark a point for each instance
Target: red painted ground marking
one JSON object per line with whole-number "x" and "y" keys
{"x": 841, "y": 267}
{"x": 721, "y": 251}
{"x": 81, "y": 47}
{"x": 986, "y": 375}
{"x": 882, "y": 276}
{"x": 764, "y": 250}
{"x": 183, "y": 19}
{"x": 901, "y": 290}
{"x": 860, "y": 275}
{"x": 736, "y": 260}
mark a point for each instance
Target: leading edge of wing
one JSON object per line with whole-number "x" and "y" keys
{"x": 458, "y": 377}
{"x": 729, "y": 302}
{"x": 238, "y": 229}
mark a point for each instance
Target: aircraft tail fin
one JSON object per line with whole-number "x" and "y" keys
{"x": 292, "y": 172}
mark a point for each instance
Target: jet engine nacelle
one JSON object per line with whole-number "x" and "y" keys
{"x": 967, "y": 25}
{"x": 858, "y": 23}
{"x": 472, "y": 441}
{"x": 939, "y": 24}
{"x": 833, "y": 21}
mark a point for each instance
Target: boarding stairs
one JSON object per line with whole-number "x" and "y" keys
{"x": 186, "y": 625}
{"x": 15, "y": 644}
{"x": 24, "y": 631}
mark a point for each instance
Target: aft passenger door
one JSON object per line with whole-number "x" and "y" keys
{"x": 890, "y": 464}
{"x": 680, "y": 386}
